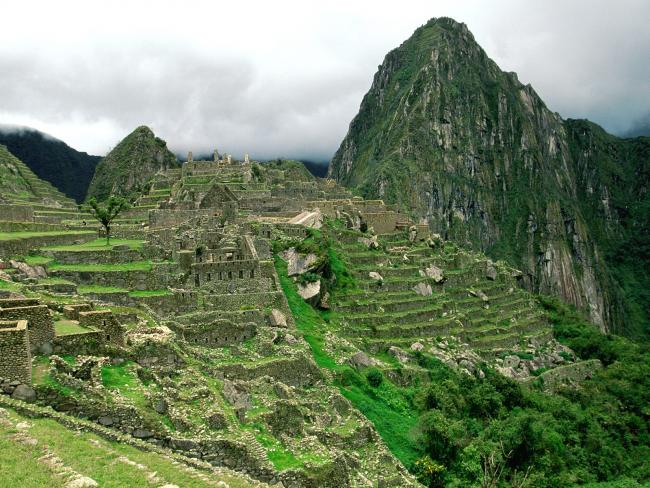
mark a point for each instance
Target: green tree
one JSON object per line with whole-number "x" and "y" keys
{"x": 106, "y": 213}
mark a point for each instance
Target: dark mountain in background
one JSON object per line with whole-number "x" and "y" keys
{"x": 127, "y": 168}
{"x": 316, "y": 168}
{"x": 52, "y": 160}
{"x": 466, "y": 147}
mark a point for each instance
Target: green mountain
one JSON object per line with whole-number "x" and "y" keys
{"x": 19, "y": 185}
{"x": 125, "y": 169}
{"x": 449, "y": 137}
{"x": 52, "y": 160}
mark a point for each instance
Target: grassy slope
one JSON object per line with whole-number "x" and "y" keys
{"x": 387, "y": 407}
{"x": 108, "y": 463}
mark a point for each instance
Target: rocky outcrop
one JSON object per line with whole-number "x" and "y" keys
{"x": 447, "y": 135}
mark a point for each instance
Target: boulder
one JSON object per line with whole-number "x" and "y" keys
{"x": 105, "y": 421}
{"x": 413, "y": 233}
{"x": 423, "y": 289}
{"x": 435, "y": 241}
{"x": 399, "y": 354}
{"x": 80, "y": 481}
{"x": 160, "y": 405}
{"x": 511, "y": 361}
{"x": 296, "y": 263}
{"x": 479, "y": 294}
{"x": 236, "y": 395}
{"x": 29, "y": 271}
{"x": 142, "y": 434}
{"x": 4, "y": 276}
{"x": 373, "y": 275}
{"x": 309, "y": 290}
{"x": 277, "y": 318}
{"x": 369, "y": 242}
{"x": 325, "y": 301}
{"x": 435, "y": 274}
{"x": 490, "y": 272}
{"x": 25, "y": 393}
{"x": 361, "y": 360}
{"x": 417, "y": 346}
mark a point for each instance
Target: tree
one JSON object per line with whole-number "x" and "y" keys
{"x": 107, "y": 212}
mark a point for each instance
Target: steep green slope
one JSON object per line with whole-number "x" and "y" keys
{"x": 52, "y": 160}
{"x": 18, "y": 184}
{"x": 131, "y": 164}
{"x": 448, "y": 136}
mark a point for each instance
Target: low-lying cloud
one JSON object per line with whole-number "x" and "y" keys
{"x": 285, "y": 79}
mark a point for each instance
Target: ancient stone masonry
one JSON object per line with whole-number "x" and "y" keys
{"x": 39, "y": 320}
{"x": 105, "y": 321}
{"x": 15, "y": 358}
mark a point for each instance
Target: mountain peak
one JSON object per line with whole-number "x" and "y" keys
{"x": 128, "y": 166}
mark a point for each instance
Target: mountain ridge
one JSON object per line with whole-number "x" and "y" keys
{"x": 51, "y": 159}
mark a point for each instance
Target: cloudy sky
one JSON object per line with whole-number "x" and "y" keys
{"x": 284, "y": 78}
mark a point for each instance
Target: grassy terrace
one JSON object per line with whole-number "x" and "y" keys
{"x": 97, "y": 245}
{"x": 9, "y": 236}
{"x": 101, "y": 268}
{"x": 68, "y": 327}
{"x": 85, "y": 289}
{"x": 109, "y": 463}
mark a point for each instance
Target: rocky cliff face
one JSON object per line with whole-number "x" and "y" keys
{"x": 124, "y": 170}
{"x": 444, "y": 133}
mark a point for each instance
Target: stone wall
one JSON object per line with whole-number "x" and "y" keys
{"x": 24, "y": 245}
{"x": 94, "y": 257}
{"x": 15, "y": 358}
{"x": 130, "y": 280}
{"x": 206, "y": 272}
{"x": 171, "y": 218}
{"x": 104, "y": 320}
{"x": 17, "y": 213}
{"x": 381, "y": 222}
{"x": 219, "y": 333}
{"x": 17, "y": 302}
{"x": 39, "y": 323}
{"x": 89, "y": 343}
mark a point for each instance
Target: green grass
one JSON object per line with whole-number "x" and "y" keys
{"x": 388, "y": 407}
{"x": 37, "y": 260}
{"x": 68, "y": 327}
{"x": 149, "y": 293}
{"x": 9, "y": 236}
{"x": 7, "y": 285}
{"x": 84, "y": 289}
{"x": 95, "y": 457}
{"x": 98, "y": 245}
{"x": 100, "y": 268}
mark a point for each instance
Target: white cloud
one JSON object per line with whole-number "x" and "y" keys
{"x": 286, "y": 78}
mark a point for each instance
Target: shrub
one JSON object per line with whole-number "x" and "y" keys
{"x": 374, "y": 377}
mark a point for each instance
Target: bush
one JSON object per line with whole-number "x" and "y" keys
{"x": 374, "y": 377}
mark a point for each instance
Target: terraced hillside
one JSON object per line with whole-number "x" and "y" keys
{"x": 474, "y": 299}
{"x": 19, "y": 185}
{"x": 238, "y": 314}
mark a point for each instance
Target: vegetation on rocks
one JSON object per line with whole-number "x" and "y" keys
{"x": 126, "y": 169}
